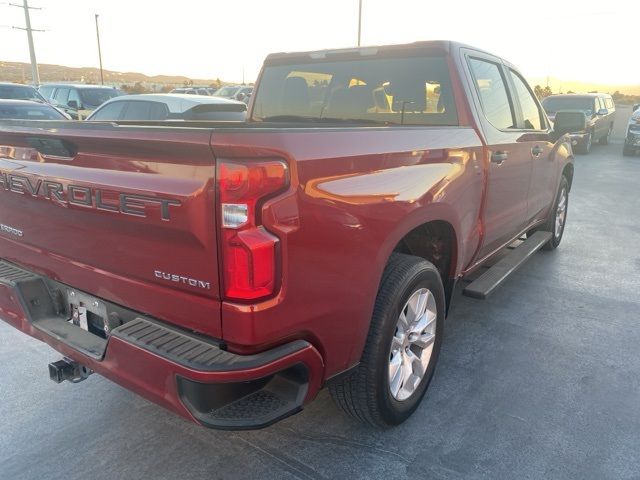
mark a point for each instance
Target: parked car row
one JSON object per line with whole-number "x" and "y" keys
{"x": 103, "y": 103}
{"x": 78, "y": 100}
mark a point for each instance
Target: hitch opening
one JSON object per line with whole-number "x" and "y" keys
{"x": 67, "y": 369}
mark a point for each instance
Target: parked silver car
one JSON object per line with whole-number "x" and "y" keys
{"x": 169, "y": 106}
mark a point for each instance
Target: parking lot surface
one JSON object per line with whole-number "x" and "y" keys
{"x": 540, "y": 381}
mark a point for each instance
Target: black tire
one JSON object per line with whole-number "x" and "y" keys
{"x": 366, "y": 394}
{"x": 550, "y": 225}
{"x": 605, "y": 140}
{"x": 628, "y": 151}
{"x": 584, "y": 147}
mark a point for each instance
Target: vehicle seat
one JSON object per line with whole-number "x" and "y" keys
{"x": 446, "y": 102}
{"x": 295, "y": 96}
{"x": 352, "y": 102}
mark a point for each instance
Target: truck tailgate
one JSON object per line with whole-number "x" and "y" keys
{"x": 123, "y": 213}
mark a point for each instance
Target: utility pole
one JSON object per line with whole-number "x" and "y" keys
{"x": 359, "y": 20}
{"x": 35, "y": 76}
{"x": 99, "y": 50}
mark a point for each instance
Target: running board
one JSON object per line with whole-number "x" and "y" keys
{"x": 487, "y": 283}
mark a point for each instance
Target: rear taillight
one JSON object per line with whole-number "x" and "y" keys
{"x": 248, "y": 250}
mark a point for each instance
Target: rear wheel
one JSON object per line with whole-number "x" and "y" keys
{"x": 402, "y": 346}
{"x": 558, "y": 216}
{"x": 584, "y": 147}
{"x": 605, "y": 140}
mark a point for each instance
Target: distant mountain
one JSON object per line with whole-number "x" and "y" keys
{"x": 564, "y": 86}
{"x": 21, "y": 72}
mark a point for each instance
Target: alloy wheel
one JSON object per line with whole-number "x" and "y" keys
{"x": 412, "y": 344}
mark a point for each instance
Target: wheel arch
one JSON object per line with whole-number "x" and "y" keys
{"x": 432, "y": 235}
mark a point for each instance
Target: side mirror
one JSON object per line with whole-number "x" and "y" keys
{"x": 568, "y": 122}
{"x": 636, "y": 106}
{"x": 73, "y": 104}
{"x": 603, "y": 112}
{"x": 240, "y": 96}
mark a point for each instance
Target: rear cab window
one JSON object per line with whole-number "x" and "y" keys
{"x": 386, "y": 89}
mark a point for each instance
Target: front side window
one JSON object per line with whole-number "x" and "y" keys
{"x": 62, "y": 96}
{"x": 412, "y": 90}
{"x": 530, "y": 111}
{"x": 493, "y": 93}
{"x": 46, "y": 91}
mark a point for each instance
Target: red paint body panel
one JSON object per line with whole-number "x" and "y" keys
{"x": 354, "y": 193}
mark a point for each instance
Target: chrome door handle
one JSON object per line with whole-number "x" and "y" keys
{"x": 499, "y": 157}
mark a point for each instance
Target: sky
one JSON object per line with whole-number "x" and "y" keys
{"x": 581, "y": 40}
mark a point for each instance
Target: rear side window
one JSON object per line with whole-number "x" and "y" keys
{"x": 139, "y": 110}
{"x": 493, "y": 93}
{"x": 412, "y": 90}
{"x": 110, "y": 112}
{"x": 609, "y": 103}
{"x": 530, "y": 111}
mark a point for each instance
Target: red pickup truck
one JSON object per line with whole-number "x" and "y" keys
{"x": 229, "y": 271}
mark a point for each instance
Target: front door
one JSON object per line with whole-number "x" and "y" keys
{"x": 509, "y": 163}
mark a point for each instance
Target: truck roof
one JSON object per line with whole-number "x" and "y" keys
{"x": 445, "y": 46}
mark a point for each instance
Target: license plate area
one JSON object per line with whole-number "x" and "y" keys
{"x": 89, "y": 313}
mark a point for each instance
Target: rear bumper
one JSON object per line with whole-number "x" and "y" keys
{"x": 579, "y": 137}
{"x": 190, "y": 375}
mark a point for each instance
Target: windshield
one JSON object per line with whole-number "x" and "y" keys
{"x": 94, "y": 97}
{"x": 399, "y": 90}
{"x": 582, "y": 104}
{"x": 30, "y": 112}
{"x": 227, "y": 91}
{"x": 19, "y": 92}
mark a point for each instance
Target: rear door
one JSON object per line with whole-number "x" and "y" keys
{"x": 123, "y": 213}
{"x": 509, "y": 163}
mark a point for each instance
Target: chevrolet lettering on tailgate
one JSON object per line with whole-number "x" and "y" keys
{"x": 126, "y": 203}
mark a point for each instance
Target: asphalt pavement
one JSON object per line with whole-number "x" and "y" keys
{"x": 540, "y": 381}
